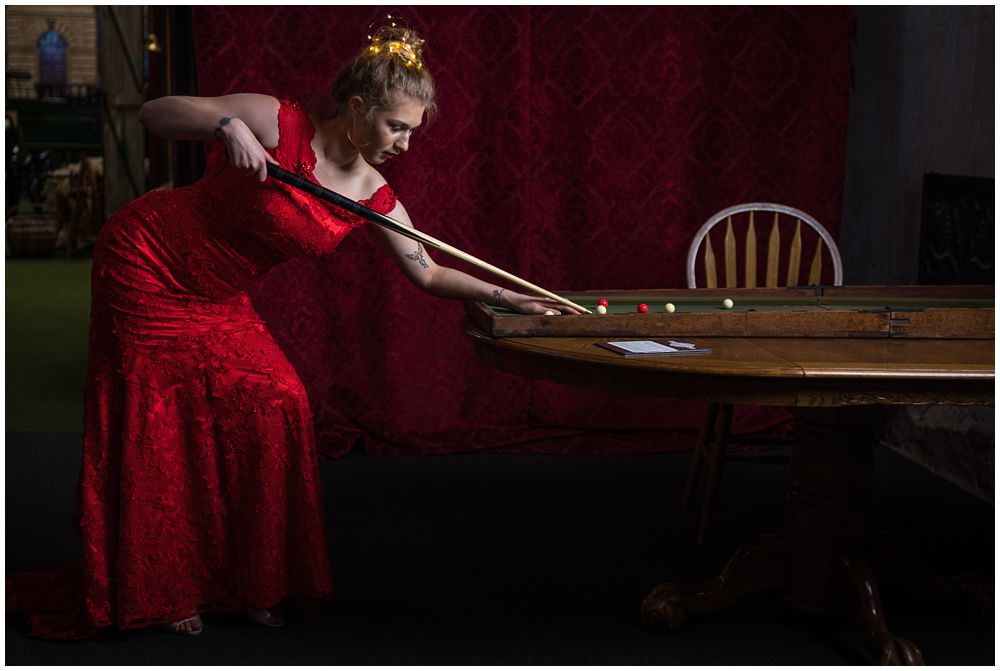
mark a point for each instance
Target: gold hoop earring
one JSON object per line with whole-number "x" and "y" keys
{"x": 354, "y": 144}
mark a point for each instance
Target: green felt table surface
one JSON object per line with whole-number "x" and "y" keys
{"x": 819, "y": 312}
{"x": 620, "y": 303}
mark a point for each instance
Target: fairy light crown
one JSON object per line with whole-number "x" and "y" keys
{"x": 391, "y": 62}
{"x": 394, "y": 38}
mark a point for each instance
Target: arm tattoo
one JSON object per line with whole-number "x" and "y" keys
{"x": 418, "y": 256}
{"x": 497, "y": 294}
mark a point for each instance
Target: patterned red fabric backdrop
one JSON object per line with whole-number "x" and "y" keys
{"x": 578, "y": 147}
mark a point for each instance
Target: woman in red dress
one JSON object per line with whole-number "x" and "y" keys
{"x": 199, "y": 488}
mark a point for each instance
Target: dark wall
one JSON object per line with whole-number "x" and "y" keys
{"x": 922, "y": 101}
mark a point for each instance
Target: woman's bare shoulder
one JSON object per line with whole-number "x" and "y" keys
{"x": 373, "y": 180}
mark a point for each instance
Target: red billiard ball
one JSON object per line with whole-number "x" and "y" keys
{"x": 603, "y": 302}
{"x": 642, "y": 307}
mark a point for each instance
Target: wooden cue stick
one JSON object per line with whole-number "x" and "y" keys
{"x": 398, "y": 227}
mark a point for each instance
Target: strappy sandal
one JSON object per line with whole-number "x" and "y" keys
{"x": 175, "y": 627}
{"x": 268, "y": 617}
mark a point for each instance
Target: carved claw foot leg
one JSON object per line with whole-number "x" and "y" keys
{"x": 663, "y": 609}
{"x": 758, "y": 565}
{"x": 863, "y": 604}
{"x": 898, "y": 651}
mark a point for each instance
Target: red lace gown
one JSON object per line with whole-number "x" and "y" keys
{"x": 199, "y": 488}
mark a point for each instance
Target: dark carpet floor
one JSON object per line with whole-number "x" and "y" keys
{"x": 521, "y": 560}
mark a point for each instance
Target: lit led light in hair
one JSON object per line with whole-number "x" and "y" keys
{"x": 397, "y": 40}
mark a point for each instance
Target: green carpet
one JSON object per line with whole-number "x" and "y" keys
{"x": 47, "y": 312}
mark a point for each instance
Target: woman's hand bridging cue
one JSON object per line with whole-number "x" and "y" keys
{"x": 532, "y": 305}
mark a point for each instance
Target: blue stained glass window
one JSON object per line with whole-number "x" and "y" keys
{"x": 52, "y": 57}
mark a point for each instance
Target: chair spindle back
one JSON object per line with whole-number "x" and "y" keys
{"x": 702, "y": 242}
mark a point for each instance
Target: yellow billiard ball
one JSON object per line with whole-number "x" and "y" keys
{"x": 728, "y": 303}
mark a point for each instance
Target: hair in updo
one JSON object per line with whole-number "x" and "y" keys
{"x": 393, "y": 62}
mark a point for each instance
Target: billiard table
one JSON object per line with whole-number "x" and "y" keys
{"x": 836, "y": 356}
{"x": 810, "y": 312}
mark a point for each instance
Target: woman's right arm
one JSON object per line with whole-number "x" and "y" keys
{"x": 252, "y": 124}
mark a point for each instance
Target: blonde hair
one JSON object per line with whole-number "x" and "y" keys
{"x": 393, "y": 62}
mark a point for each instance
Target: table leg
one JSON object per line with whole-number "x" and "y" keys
{"x": 814, "y": 559}
{"x": 862, "y": 601}
{"x": 759, "y": 565}
{"x": 832, "y": 465}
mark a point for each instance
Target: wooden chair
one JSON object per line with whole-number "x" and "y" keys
{"x": 777, "y": 245}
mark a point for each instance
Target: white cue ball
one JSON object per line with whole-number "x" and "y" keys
{"x": 728, "y": 303}
{"x": 601, "y": 310}
{"x": 670, "y": 307}
{"x": 549, "y": 313}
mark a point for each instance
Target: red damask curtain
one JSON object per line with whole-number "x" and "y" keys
{"x": 578, "y": 147}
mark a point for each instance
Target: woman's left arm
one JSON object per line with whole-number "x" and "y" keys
{"x": 412, "y": 258}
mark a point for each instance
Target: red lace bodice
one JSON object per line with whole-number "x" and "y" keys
{"x": 213, "y": 238}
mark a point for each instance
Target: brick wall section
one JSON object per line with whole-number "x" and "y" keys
{"x": 78, "y": 24}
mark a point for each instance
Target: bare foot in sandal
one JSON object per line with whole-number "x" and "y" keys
{"x": 191, "y": 626}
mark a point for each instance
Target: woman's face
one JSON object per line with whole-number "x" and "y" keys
{"x": 388, "y": 132}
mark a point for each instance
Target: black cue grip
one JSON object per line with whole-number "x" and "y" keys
{"x": 329, "y": 196}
